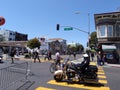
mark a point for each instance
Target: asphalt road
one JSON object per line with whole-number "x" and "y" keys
{"x": 40, "y": 78}
{"x": 113, "y": 77}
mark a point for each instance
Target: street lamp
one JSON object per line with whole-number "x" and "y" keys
{"x": 88, "y": 26}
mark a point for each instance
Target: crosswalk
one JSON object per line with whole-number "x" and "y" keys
{"x": 102, "y": 83}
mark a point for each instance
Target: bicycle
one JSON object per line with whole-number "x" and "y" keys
{"x": 54, "y": 66}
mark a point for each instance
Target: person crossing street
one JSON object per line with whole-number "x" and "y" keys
{"x": 36, "y": 56}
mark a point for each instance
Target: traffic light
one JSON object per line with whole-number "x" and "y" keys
{"x": 58, "y": 26}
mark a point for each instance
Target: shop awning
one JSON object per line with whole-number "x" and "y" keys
{"x": 109, "y": 47}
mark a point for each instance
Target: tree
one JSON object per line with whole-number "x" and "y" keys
{"x": 79, "y": 48}
{"x": 76, "y": 48}
{"x": 93, "y": 39}
{"x": 33, "y": 43}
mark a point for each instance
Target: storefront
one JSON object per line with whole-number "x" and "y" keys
{"x": 111, "y": 53}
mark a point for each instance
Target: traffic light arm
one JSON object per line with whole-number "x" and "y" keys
{"x": 58, "y": 27}
{"x": 77, "y": 29}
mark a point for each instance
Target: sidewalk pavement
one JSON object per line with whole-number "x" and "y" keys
{"x": 21, "y": 58}
{"x": 114, "y": 65}
{"x": 108, "y": 64}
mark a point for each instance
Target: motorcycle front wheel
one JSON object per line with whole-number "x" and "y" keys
{"x": 58, "y": 78}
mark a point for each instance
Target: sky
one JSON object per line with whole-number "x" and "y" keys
{"x": 38, "y": 18}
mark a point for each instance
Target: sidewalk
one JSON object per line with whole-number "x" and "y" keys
{"x": 21, "y": 58}
{"x": 107, "y": 64}
{"x": 114, "y": 65}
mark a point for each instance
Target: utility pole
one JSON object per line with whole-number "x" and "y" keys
{"x": 88, "y": 26}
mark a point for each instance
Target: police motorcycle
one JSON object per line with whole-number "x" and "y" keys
{"x": 80, "y": 72}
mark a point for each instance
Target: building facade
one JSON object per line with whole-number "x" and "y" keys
{"x": 53, "y": 44}
{"x": 57, "y": 44}
{"x": 9, "y": 35}
{"x": 108, "y": 31}
{"x": 44, "y": 44}
{"x": 21, "y": 37}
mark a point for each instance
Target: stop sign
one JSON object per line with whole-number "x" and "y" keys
{"x": 2, "y": 20}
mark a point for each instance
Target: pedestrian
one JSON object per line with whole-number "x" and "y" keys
{"x": 49, "y": 55}
{"x": 57, "y": 58}
{"x": 74, "y": 54}
{"x": 103, "y": 59}
{"x": 99, "y": 58}
{"x": 92, "y": 56}
{"x": 12, "y": 54}
{"x": 36, "y": 56}
{"x": 46, "y": 55}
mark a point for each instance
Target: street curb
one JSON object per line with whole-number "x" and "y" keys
{"x": 114, "y": 65}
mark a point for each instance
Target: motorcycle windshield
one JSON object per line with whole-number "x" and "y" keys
{"x": 65, "y": 61}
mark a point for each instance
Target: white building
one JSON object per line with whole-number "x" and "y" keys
{"x": 8, "y": 35}
{"x": 52, "y": 44}
{"x": 44, "y": 43}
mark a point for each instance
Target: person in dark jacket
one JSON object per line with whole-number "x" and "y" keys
{"x": 92, "y": 56}
{"x": 36, "y": 56}
{"x": 12, "y": 54}
{"x": 74, "y": 54}
{"x": 99, "y": 58}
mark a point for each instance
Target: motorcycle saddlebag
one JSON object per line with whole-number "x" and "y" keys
{"x": 93, "y": 68}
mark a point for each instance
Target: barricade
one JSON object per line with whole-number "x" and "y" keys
{"x": 10, "y": 75}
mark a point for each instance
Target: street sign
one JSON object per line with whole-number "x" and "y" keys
{"x": 2, "y": 20}
{"x": 69, "y": 28}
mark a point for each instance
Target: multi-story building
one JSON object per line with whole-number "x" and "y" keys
{"x": 44, "y": 44}
{"x": 10, "y": 39}
{"x": 1, "y": 38}
{"x": 53, "y": 44}
{"x": 21, "y": 37}
{"x": 108, "y": 33}
{"x": 9, "y": 35}
{"x": 57, "y": 44}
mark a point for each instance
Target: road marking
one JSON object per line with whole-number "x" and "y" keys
{"x": 44, "y": 88}
{"x": 82, "y": 86}
{"x": 100, "y": 70}
{"x": 92, "y": 63}
{"x": 101, "y": 76}
{"x": 102, "y": 73}
{"x": 101, "y": 80}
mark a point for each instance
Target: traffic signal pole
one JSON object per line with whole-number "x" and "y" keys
{"x": 71, "y": 28}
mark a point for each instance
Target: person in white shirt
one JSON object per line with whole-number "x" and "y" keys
{"x": 57, "y": 58}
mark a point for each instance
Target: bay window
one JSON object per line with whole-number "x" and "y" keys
{"x": 105, "y": 31}
{"x": 101, "y": 31}
{"x": 110, "y": 31}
